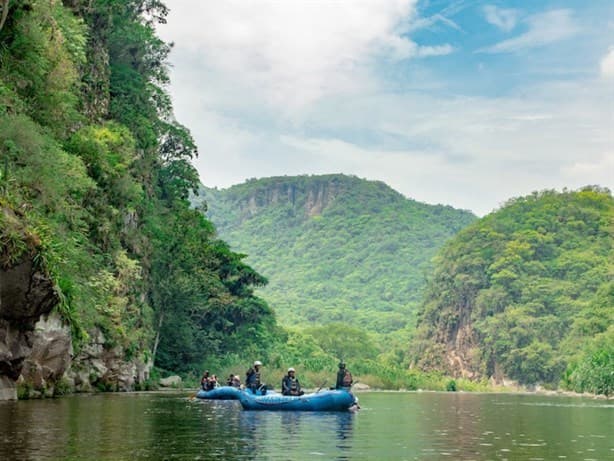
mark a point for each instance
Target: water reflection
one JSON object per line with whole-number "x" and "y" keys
{"x": 280, "y": 435}
{"x": 345, "y": 426}
{"x": 409, "y": 426}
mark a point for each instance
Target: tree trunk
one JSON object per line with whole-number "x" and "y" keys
{"x": 157, "y": 341}
{"x": 5, "y": 12}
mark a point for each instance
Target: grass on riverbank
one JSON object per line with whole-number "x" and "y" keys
{"x": 392, "y": 379}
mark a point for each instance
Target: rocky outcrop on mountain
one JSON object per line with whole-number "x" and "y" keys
{"x": 307, "y": 196}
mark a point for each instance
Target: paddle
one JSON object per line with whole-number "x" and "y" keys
{"x": 321, "y": 386}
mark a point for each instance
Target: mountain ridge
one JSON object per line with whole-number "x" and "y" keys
{"x": 335, "y": 248}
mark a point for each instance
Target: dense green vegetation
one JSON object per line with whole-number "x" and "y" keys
{"x": 346, "y": 260}
{"x": 528, "y": 293}
{"x": 95, "y": 175}
{"x": 95, "y": 182}
{"x": 335, "y": 248}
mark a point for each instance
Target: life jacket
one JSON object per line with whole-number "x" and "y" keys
{"x": 291, "y": 386}
{"x": 253, "y": 378}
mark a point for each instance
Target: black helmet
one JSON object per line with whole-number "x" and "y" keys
{"x": 341, "y": 365}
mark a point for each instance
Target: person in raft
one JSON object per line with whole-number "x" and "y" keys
{"x": 290, "y": 384}
{"x": 253, "y": 380}
{"x": 204, "y": 381}
{"x": 234, "y": 381}
{"x": 344, "y": 378}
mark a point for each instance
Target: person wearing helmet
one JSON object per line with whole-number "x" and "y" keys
{"x": 252, "y": 380}
{"x": 290, "y": 384}
{"x": 344, "y": 377}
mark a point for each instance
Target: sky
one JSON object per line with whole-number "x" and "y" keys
{"x": 467, "y": 103}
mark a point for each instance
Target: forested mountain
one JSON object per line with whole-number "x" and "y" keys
{"x": 107, "y": 269}
{"x": 335, "y": 248}
{"x": 94, "y": 218}
{"x": 527, "y": 293}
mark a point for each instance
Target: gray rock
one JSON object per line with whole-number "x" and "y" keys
{"x": 8, "y": 388}
{"x": 25, "y": 295}
{"x": 361, "y": 387}
{"x": 171, "y": 381}
{"x": 50, "y": 355}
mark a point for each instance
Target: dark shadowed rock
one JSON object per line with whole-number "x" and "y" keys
{"x": 25, "y": 294}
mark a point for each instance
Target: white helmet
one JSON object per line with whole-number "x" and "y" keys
{"x": 257, "y": 362}
{"x": 291, "y": 369}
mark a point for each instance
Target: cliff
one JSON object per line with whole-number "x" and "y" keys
{"x": 526, "y": 294}
{"x": 101, "y": 256}
{"x": 26, "y": 293}
{"x": 36, "y": 347}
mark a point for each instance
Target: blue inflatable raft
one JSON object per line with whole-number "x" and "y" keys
{"x": 220, "y": 393}
{"x": 330, "y": 400}
{"x": 229, "y": 393}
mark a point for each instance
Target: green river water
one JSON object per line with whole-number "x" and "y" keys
{"x": 389, "y": 426}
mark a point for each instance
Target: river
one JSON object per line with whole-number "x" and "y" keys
{"x": 389, "y": 426}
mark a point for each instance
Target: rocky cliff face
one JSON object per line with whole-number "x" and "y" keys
{"x": 36, "y": 350}
{"x": 301, "y": 197}
{"x": 53, "y": 368}
{"x": 25, "y": 295}
{"x": 97, "y": 366}
{"x": 49, "y": 358}
{"x": 311, "y": 199}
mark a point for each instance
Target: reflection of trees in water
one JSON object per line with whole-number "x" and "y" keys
{"x": 345, "y": 426}
{"x": 254, "y": 427}
{"x": 31, "y": 427}
{"x": 208, "y": 429}
{"x": 116, "y": 426}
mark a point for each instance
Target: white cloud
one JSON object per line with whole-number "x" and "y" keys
{"x": 504, "y": 19}
{"x": 429, "y": 22}
{"x": 607, "y": 64}
{"x": 439, "y": 50}
{"x": 468, "y": 152}
{"x": 282, "y": 88}
{"x": 600, "y": 165}
{"x": 531, "y": 117}
{"x": 291, "y": 53}
{"x": 543, "y": 29}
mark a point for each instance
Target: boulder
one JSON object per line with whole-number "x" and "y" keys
{"x": 50, "y": 355}
{"x": 171, "y": 381}
{"x": 361, "y": 387}
{"x": 8, "y": 388}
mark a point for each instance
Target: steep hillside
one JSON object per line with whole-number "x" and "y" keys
{"x": 527, "y": 293}
{"x": 105, "y": 270}
{"x": 335, "y": 248}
